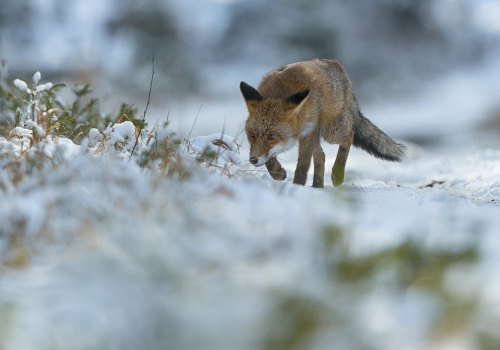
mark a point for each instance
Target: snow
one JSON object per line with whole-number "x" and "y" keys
{"x": 21, "y": 85}
{"x": 119, "y": 132}
{"x": 43, "y": 87}
{"x": 486, "y": 16}
{"x": 99, "y": 253}
{"x": 34, "y": 126}
{"x": 62, "y": 148}
{"x": 94, "y": 137}
{"x": 21, "y": 132}
{"x": 36, "y": 77}
{"x": 138, "y": 261}
{"x": 229, "y": 152}
{"x": 133, "y": 260}
{"x": 472, "y": 176}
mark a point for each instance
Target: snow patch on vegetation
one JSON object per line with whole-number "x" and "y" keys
{"x": 223, "y": 148}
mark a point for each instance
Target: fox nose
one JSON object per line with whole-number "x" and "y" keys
{"x": 254, "y": 160}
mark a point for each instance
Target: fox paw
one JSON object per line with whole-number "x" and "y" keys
{"x": 337, "y": 179}
{"x": 279, "y": 174}
{"x": 318, "y": 182}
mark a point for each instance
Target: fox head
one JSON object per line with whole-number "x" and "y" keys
{"x": 271, "y": 126}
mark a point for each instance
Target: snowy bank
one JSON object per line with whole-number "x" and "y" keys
{"x": 113, "y": 257}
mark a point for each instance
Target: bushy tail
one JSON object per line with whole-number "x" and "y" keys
{"x": 374, "y": 141}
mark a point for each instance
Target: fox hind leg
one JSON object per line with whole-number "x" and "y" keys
{"x": 339, "y": 165}
{"x": 275, "y": 169}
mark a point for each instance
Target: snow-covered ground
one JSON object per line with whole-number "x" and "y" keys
{"x": 98, "y": 253}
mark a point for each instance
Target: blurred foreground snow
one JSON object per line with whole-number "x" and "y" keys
{"x": 98, "y": 254}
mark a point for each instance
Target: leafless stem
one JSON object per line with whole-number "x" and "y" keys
{"x": 195, "y": 119}
{"x": 147, "y": 105}
{"x": 150, "y": 88}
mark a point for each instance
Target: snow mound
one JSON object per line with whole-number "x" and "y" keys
{"x": 120, "y": 132}
{"x": 116, "y": 257}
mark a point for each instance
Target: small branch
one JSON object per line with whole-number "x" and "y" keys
{"x": 146, "y": 109}
{"x": 126, "y": 112}
{"x": 150, "y": 88}
{"x": 195, "y": 119}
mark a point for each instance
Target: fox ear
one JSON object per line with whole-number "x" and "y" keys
{"x": 249, "y": 93}
{"x": 297, "y": 98}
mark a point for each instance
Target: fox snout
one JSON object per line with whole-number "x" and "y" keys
{"x": 260, "y": 149}
{"x": 263, "y": 148}
{"x": 260, "y": 154}
{"x": 258, "y": 161}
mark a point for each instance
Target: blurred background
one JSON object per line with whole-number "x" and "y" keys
{"x": 425, "y": 71}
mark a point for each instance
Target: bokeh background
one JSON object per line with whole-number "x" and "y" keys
{"x": 425, "y": 70}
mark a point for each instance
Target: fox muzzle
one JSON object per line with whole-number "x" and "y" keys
{"x": 258, "y": 161}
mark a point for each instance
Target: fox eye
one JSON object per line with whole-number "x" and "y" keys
{"x": 251, "y": 134}
{"x": 271, "y": 136}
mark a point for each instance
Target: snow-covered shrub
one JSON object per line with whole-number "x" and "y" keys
{"x": 41, "y": 130}
{"x": 36, "y": 125}
{"x": 217, "y": 152}
{"x": 216, "y": 148}
{"x": 161, "y": 152}
{"x": 40, "y": 105}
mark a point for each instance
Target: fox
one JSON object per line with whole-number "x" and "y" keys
{"x": 302, "y": 103}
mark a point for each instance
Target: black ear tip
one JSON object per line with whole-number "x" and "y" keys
{"x": 249, "y": 93}
{"x": 304, "y": 93}
{"x": 298, "y": 97}
{"x": 244, "y": 86}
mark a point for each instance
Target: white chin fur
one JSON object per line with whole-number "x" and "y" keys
{"x": 261, "y": 162}
{"x": 276, "y": 150}
{"x": 280, "y": 148}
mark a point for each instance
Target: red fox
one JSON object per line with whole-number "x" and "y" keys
{"x": 301, "y": 103}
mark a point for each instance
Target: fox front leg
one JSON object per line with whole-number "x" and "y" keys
{"x": 275, "y": 169}
{"x": 319, "y": 164}
{"x": 319, "y": 167}
{"x": 306, "y": 146}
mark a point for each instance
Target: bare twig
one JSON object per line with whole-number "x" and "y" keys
{"x": 125, "y": 114}
{"x": 195, "y": 119}
{"x": 150, "y": 88}
{"x": 147, "y": 105}
{"x": 241, "y": 128}
{"x": 81, "y": 131}
{"x": 155, "y": 125}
